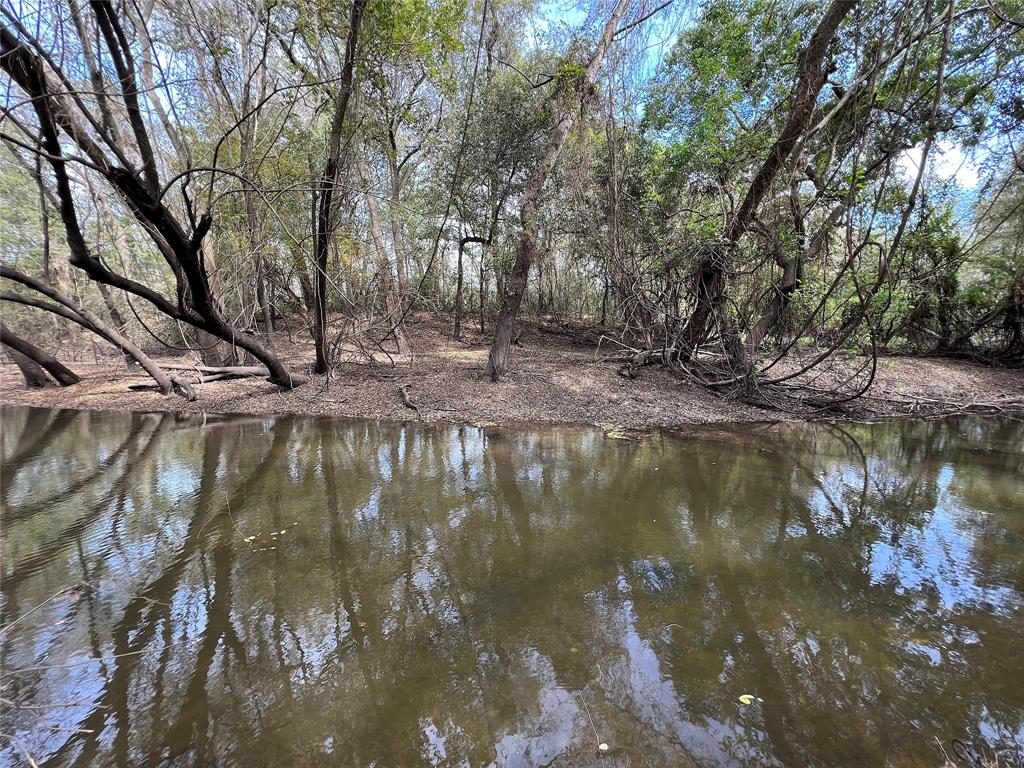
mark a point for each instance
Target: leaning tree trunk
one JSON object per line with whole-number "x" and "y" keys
{"x": 64, "y": 375}
{"x": 73, "y": 311}
{"x": 33, "y": 373}
{"x": 567, "y": 107}
{"x": 167, "y": 384}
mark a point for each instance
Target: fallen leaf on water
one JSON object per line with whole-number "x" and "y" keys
{"x": 747, "y": 699}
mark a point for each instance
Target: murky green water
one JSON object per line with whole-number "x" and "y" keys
{"x": 459, "y": 596}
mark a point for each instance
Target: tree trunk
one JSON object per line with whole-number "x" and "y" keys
{"x": 566, "y": 109}
{"x": 64, "y": 375}
{"x": 35, "y": 376}
{"x": 483, "y": 292}
{"x": 124, "y": 254}
{"x": 259, "y": 265}
{"x": 946, "y": 289}
{"x": 392, "y": 290}
{"x": 792, "y": 270}
{"x": 119, "y": 321}
{"x": 213, "y": 349}
{"x": 457, "y": 325}
{"x": 115, "y": 313}
{"x": 484, "y": 242}
{"x": 397, "y": 239}
{"x": 782, "y": 290}
{"x": 261, "y": 295}
{"x": 323, "y": 223}
{"x": 252, "y": 230}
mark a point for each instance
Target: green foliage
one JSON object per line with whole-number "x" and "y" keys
{"x": 419, "y": 32}
{"x": 720, "y": 78}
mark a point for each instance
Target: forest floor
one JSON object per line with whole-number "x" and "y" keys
{"x": 557, "y": 378}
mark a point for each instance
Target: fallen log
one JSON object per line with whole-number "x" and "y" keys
{"x": 234, "y": 370}
{"x": 201, "y": 379}
{"x": 182, "y": 387}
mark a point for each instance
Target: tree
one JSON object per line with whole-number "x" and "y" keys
{"x": 323, "y": 224}
{"x": 574, "y": 84}
{"x": 129, "y": 166}
{"x": 709, "y": 290}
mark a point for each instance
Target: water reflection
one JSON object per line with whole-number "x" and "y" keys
{"x": 303, "y": 592}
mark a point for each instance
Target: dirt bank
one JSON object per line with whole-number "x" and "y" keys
{"x": 556, "y": 379}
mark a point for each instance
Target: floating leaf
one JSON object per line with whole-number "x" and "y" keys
{"x": 747, "y": 699}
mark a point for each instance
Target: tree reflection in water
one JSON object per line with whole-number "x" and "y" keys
{"x": 458, "y": 595}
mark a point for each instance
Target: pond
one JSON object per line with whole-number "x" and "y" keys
{"x": 292, "y": 592}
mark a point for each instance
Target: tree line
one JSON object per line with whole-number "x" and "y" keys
{"x": 742, "y": 189}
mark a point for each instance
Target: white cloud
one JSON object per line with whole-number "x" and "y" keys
{"x": 948, "y": 163}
